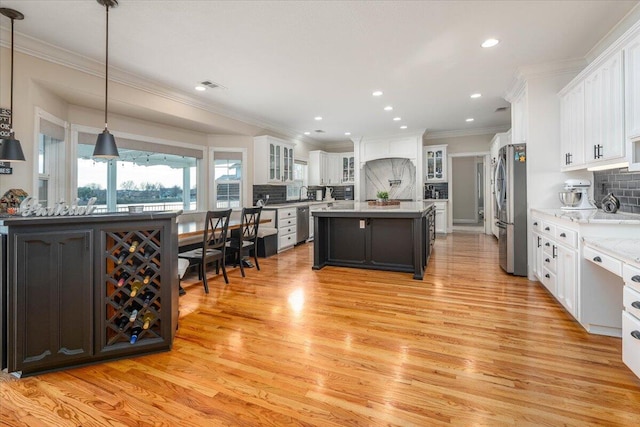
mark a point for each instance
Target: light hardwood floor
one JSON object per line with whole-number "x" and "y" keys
{"x": 467, "y": 346}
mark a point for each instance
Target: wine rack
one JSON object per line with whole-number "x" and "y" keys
{"x": 133, "y": 285}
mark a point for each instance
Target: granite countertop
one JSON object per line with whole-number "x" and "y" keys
{"x": 403, "y": 207}
{"x": 592, "y": 216}
{"x": 627, "y": 250}
{"x": 436, "y": 200}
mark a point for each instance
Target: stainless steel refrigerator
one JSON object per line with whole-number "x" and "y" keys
{"x": 510, "y": 201}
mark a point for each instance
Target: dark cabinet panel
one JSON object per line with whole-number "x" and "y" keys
{"x": 52, "y": 318}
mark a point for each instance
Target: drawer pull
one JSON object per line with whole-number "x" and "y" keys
{"x": 547, "y": 229}
{"x": 635, "y": 334}
{"x": 535, "y": 223}
{"x": 597, "y": 259}
{"x": 547, "y": 260}
{"x": 547, "y": 276}
{"x": 563, "y": 235}
{"x": 547, "y": 244}
{"x": 636, "y": 279}
{"x": 636, "y": 304}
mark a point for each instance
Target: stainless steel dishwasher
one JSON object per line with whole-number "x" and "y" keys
{"x": 302, "y": 224}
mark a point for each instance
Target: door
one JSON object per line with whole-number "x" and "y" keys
{"x": 53, "y": 283}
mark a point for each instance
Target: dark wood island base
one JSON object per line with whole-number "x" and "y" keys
{"x": 393, "y": 238}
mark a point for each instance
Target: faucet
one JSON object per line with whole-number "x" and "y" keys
{"x": 300, "y": 195}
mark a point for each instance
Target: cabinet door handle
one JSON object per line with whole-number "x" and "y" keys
{"x": 636, "y": 279}
{"x": 563, "y": 235}
{"x": 595, "y": 151}
{"x": 547, "y": 276}
{"x": 541, "y": 245}
{"x": 570, "y": 158}
{"x": 554, "y": 253}
{"x": 546, "y": 229}
{"x": 597, "y": 259}
{"x": 636, "y": 304}
{"x": 635, "y": 334}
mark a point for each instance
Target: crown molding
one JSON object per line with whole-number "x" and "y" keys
{"x": 466, "y": 132}
{"x": 619, "y": 34}
{"x": 48, "y": 52}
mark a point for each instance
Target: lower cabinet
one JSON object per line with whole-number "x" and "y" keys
{"x": 441, "y": 217}
{"x": 83, "y": 290}
{"x": 555, "y": 261}
{"x": 286, "y": 228}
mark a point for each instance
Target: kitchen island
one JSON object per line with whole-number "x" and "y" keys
{"x": 394, "y": 238}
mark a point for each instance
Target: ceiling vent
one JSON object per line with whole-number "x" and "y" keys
{"x": 318, "y": 131}
{"x": 212, "y": 85}
{"x": 501, "y": 109}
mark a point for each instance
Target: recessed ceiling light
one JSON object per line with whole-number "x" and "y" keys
{"x": 347, "y": 133}
{"x": 377, "y": 93}
{"x": 307, "y": 133}
{"x": 403, "y": 127}
{"x": 476, "y": 95}
{"x": 469, "y": 120}
{"x": 490, "y": 42}
{"x": 397, "y": 119}
{"x": 388, "y": 108}
{"x": 318, "y": 118}
{"x": 200, "y": 88}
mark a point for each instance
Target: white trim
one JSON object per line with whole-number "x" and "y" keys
{"x": 57, "y": 175}
{"x": 486, "y": 161}
{"x": 465, "y": 132}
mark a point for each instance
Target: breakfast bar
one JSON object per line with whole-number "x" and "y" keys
{"x": 394, "y": 237}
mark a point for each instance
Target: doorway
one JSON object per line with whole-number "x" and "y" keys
{"x": 468, "y": 192}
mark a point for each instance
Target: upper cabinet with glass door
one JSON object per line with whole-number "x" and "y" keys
{"x": 348, "y": 168}
{"x": 273, "y": 160}
{"x": 436, "y": 163}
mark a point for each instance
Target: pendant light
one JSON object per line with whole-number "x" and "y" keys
{"x": 106, "y": 144}
{"x": 11, "y": 150}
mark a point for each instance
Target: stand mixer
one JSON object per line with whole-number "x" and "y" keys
{"x": 576, "y": 195}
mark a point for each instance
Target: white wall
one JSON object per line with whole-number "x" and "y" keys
{"x": 463, "y": 197}
{"x": 463, "y": 144}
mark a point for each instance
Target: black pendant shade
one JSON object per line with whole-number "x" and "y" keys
{"x": 106, "y": 147}
{"x": 11, "y": 150}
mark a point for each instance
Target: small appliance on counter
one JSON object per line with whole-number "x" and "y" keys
{"x": 318, "y": 195}
{"x": 348, "y": 192}
{"x": 610, "y": 203}
{"x": 576, "y": 195}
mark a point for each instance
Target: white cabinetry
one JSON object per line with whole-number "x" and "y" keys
{"x": 273, "y": 160}
{"x": 313, "y": 207}
{"x": 520, "y": 117}
{"x": 604, "y": 112}
{"x": 317, "y": 167}
{"x": 286, "y": 228}
{"x": 572, "y": 125}
{"x": 436, "y": 163}
{"x": 556, "y": 260}
{"x": 347, "y": 165}
{"x": 631, "y": 318}
{"x": 632, "y": 102}
{"x": 441, "y": 217}
{"x": 329, "y": 168}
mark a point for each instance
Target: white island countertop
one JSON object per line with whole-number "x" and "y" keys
{"x": 592, "y": 216}
{"x": 365, "y": 207}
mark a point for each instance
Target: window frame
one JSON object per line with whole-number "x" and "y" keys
{"x": 57, "y": 154}
{"x": 244, "y": 185}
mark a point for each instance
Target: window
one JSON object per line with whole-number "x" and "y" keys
{"x": 158, "y": 177}
{"x": 299, "y": 181}
{"x": 51, "y": 135}
{"x": 228, "y": 179}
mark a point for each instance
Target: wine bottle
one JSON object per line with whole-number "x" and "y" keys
{"x": 123, "y": 322}
{"x": 135, "y": 287}
{"x": 122, "y": 278}
{"x": 148, "y": 273}
{"x": 134, "y": 246}
{"x": 120, "y": 257}
{"x": 146, "y": 298}
{"x": 120, "y": 299}
{"x": 135, "y": 333}
{"x": 148, "y": 251}
{"x": 147, "y": 319}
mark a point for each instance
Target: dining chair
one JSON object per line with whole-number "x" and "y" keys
{"x": 243, "y": 242}
{"x": 213, "y": 246}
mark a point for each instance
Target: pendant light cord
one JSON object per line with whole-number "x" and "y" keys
{"x": 11, "y": 98}
{"x": 106, "y": 78}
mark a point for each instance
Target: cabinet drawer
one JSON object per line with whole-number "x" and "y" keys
{"x": 567, "y": 237}
{"x": 631, "y": 300}
{"x": 286, "y": 213}
{"x": 286, "y": 230}
{"x": 631, "y": 276}
{"x": 604, "y": 261}
{"x": 631, "y": 342}
{"x": 548, "y": 228}
{"x": 549, "y": 262}
{"x": 549, "y": 281}
{"x": 536, "y": 224}
{"x": 286, "y": 222}
{"x": 548, "y": 246}
{"x": 287, "y": 240}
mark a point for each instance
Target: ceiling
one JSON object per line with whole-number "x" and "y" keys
{"x": 282, "y": 63}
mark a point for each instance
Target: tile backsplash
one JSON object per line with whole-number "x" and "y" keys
{"x": 623, "y": 184}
